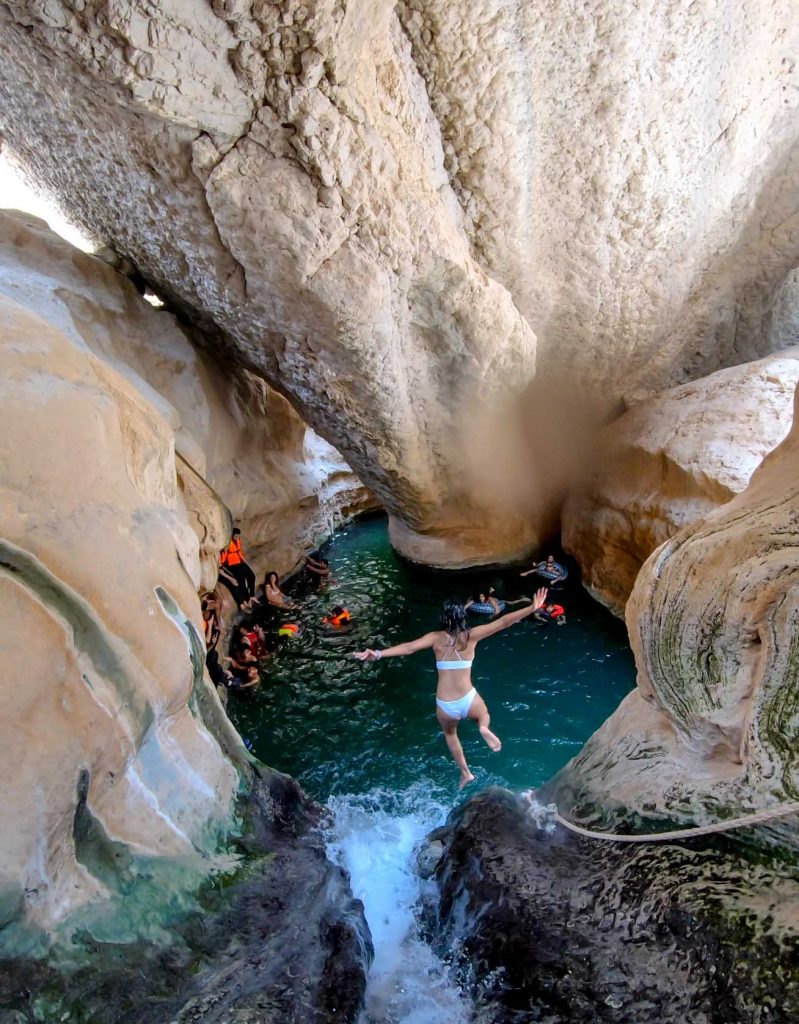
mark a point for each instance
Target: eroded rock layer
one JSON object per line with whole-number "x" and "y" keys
{"x": 711, "y": 729}
{"x": 380, "y": 206}
{"x": 669, "y": 462}
{"x": 110, "y": 423}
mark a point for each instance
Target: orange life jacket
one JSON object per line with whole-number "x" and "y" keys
{"x": 233, "y": 555}
{"x": 557, "y": 611}
{"x": 340, "y": 619}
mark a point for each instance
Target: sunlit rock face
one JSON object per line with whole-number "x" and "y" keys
{"x": 380, "y": 206}
{"x": 711, "y": 728}
{"x": 103, "y": 661}
{"x": 111, "y": 422}
{"x": 629, "y": 174}
{"x": 669, "y": 462}
{"x": 277, "y": 170}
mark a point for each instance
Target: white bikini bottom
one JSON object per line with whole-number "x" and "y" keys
{"x": 458, "y": 708}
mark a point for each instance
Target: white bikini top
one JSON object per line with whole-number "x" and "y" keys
{"x": 460, "y": 663}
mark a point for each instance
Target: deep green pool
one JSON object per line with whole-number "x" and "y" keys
{"x": 364, "y": 738}
{"x": 342, "y": 727}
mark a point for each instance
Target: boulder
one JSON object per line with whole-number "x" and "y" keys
{"x": 669, "y": 462}
{"x": 541, "y": 925}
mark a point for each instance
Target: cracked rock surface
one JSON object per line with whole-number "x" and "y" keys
{"x": 380, "y": 207}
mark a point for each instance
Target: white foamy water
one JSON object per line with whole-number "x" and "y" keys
{"x": 373, "y": 837}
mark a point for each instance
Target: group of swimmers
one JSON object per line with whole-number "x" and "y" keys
{"x": 454, "y": 644}
{"x": 249, "y": 648}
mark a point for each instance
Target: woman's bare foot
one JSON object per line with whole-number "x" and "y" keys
{"x": 465, "y": 779}
{"x": 493, "y": 741}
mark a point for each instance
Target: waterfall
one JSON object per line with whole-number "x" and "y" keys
{"x": 374, "y": 836}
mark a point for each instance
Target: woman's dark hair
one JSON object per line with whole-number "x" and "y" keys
{"x": 453, "y": 619}
{"x": 269, "y": 575}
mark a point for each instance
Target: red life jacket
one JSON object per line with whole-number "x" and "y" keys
{"x": 557, "y": 611}
{"x": 233, "y": 555}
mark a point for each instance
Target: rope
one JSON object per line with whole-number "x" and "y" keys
{"x": 746, "y": 821}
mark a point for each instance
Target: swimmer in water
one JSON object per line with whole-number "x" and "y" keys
{"x": 454, "y": 645}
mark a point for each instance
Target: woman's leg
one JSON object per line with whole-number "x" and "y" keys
{"x": 479, "y": 712}
{"x": 449, "y": 726}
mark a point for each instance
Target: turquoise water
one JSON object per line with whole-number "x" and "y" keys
{"x": 364, "y": 738}
{"x": 340, "y": 726}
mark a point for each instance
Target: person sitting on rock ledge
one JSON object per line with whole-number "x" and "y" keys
{"x": 234, "y": 572}
{"x": 454, "y": 646}
{"x": 273, "y": 595}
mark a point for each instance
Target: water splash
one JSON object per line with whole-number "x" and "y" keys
{"x": 374, "y": 837}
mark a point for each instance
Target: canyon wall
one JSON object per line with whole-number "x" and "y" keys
{"x": 99, "y": 571}
{"x": 112, "y": 425}
{"x": 710, "y": 730}
{"x": 669, "y": 462}
{"x": 378, "y": 208}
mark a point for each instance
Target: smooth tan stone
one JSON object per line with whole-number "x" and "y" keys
{"x": 710, "y": 730}
{"x": 670, "y": 461}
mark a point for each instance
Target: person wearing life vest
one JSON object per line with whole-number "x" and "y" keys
{"x": 551, "y": 612}
{"x": 234, "y": 572}
{"x": 338, "y": 617}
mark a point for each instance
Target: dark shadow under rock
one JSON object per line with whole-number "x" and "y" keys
{"x": 556, "y": 928}
{"x": 281, "y": 941}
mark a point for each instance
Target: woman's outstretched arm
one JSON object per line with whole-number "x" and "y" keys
{"x": 481, "y": 632}
{"x": 422, "y": 644}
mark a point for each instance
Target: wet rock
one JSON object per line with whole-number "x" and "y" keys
{"x": 277, "y": 940}
{"x": 552, "y": 927}
{"x": 429, "y": 854}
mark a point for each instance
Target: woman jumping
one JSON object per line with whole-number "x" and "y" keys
{"x": 454, "y": 647}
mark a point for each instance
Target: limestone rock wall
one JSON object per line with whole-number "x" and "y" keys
{"x": 276, "y": 171}
{"x": 711, "y": 727}
{"x": 630, "y": 175}
{"x": 103, "y": 661}
{"x": 669, "y": 462}
{"x": 380, "y": 205}
{"x": 112, "y": 424}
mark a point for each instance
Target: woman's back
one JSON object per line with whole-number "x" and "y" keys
{"x": 454, "y": 657}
